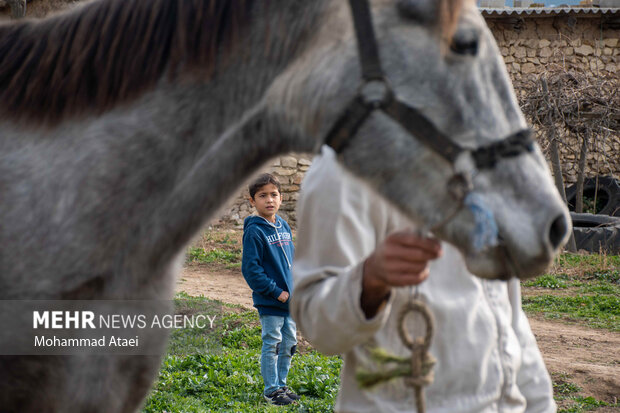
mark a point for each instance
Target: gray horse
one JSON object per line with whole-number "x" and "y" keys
{"x": 125, "y": 124}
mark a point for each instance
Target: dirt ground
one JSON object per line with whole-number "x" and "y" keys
{"x": 589, "y": 358}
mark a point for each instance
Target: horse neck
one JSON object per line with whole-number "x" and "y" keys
{"x": 279, "y": 33}
{"x": 146, "y": 175}
{"x": 230, "y": 135}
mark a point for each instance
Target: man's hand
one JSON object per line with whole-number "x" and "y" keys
{"x": 400, "y": 260}
{"x": 283, "y": 297}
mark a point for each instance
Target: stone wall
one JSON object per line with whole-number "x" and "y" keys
{"x": 39, "y": 8}
{"x": 536, "y": 45}
{"x": 530, "y": 44}
{"x": 289, "y": 170}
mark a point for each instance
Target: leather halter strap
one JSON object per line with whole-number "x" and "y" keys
{"x": 376, "y": 94}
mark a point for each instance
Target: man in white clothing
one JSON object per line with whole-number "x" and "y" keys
{"x": 355, "y": 253}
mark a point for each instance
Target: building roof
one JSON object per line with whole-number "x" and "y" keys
{"x": 548, "y": 11}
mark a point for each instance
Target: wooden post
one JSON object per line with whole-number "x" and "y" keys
{"x": 18, "y": 8}
{"x": 581, "y": 173}
{"x": 556, "y": 164}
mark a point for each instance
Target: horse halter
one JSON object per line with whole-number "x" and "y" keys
{"x": 375, "y": 94}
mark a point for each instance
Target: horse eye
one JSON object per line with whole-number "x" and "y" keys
{"x": 413, "y": 10}
{"x": 465, "y": 42}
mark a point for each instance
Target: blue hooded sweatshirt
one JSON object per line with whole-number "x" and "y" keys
{"x": 266, "y": 264}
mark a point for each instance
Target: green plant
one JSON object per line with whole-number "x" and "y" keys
{"x": 587, "y": 262}
{"x": 564, "y": 388}
{"x": 585, "y": 404}
{"x": 611, "y": 276}
{"x": 193, "y": 379}
{"x": 602, "y": 311}
{"x": 219, "y": 256}
{"x": 546, "y": 281}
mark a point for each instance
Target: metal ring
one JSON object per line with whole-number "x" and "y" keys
{"x": 375, "y": 93}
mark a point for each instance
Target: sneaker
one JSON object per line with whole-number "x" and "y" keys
{"x": 278, "y": 398}
{"x": 289, "y": 393}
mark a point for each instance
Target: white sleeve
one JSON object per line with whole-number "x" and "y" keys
{"x": 340, "y": 223}
{"x": 533, "y": 378}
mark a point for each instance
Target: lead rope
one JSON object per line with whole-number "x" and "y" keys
{"x": 417, "y": 369}
{"x": 422, "y": 361}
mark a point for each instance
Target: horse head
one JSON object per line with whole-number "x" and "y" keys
{"x": 465, "y": 167}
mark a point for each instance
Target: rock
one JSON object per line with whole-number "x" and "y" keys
{"x": 584, "y": 50}
{"x": 297, "y": 178}
{"x": 597, "y": 65}
{"x": 520, "y": 52}
{"x": 545, "y": 52}
{"x": 528, "y": 68}
{"x": 284, "y": 171}
{"x": 290, "y": 188}
{"x": 288, "y": 161}
{"x": 532, "y": 43}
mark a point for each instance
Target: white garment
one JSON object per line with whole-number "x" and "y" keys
{"x": 487, "y": 357}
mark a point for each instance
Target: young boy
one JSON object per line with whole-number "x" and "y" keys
{"x": 266, "y": 266}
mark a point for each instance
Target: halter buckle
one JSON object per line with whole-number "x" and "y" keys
{"x": 375, "y": 93}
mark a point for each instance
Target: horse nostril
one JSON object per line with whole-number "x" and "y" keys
{"x": 558, "y": 230}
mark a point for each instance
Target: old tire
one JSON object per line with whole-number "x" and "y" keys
{"x": 596, "y": 233}
{"x": 592, "y": 220}
{"x": 608, "y": 194}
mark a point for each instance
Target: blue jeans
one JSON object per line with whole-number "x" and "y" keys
{"x": 279, "y": 343}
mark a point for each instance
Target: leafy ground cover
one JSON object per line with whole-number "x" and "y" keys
{"x": 220, "y": 248}
{"x": 579, "y": 290}
{"x": 220, "y": 372}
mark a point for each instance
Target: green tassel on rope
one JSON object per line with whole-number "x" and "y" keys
{"x": 401, "y": 368}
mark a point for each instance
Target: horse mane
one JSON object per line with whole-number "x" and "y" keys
{"x": 106, "y": 52}
{"x": 110, "y": 51}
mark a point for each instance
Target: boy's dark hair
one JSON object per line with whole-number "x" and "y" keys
{"x": 261, "y": 181}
